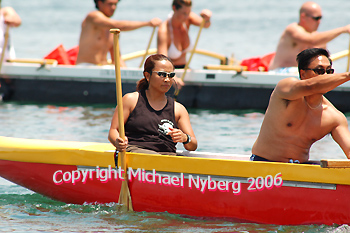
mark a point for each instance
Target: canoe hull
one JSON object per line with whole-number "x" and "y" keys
{"x": 245, "y": 191}
{"x": 278, "y": 205}
{"x": 38, "y": 177}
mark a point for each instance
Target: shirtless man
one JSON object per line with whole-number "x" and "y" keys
{"x": 96, "y": 40}
{"x": 303, "y": 35}
{"x": 298, "y": 114}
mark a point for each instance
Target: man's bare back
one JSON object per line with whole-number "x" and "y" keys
{"x": 299, "y": 115}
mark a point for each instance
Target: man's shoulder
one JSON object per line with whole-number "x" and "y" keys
{"x": 284, "y": 87}
{"x": 94, "y": 14}
{"x": 289, "y": 80}
{"x": 294, "y": 26}
{"x": 294, "y": 29}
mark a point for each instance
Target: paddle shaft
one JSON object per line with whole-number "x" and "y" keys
{"x": 124, "y": 196}
{"x": 4, "y": 46}
{"x": 347, "y": 67}
{"x": 339, "y": 55}
{"x": 194, "y": 48}
{"x": 192, "y": 52}
{"x": 148, "y": 46}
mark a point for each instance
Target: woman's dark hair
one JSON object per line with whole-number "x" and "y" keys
{"x": 305, "y": 57}
{"x": 148, "y": 68}
{"x": 179, "y": 3}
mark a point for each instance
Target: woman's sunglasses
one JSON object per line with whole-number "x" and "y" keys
{"x": 321, "y": 71}
{"x": 165, "y": 74}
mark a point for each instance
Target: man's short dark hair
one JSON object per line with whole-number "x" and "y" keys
{"x": 305, "y": 57}
{"x": 96, "y": 1}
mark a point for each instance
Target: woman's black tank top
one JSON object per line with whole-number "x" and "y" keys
{"x": 147, "y": 127}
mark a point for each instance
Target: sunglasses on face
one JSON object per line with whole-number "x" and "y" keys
{"x": 165, "y": 74}
{"x": 321, "y": 71}
{"x": 316, "y": 18}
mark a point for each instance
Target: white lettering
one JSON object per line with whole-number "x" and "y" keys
{"x": 175, "y": 181}
{"x": 211, "y": 184}
{"x": 132, "y": 174}
{"x": 103, "y": 175}
{"x": 190, "y": 180}
{"x": 166, "y": 180}
{"x": 67, "y": 176}
{"x": 84, "y": 172}
{"x": 203, "y": 182}
{"x": 54, "y": 177}
{"x": 75, "y": 176}
{"x": 223, "y": 185}
{"x": 236, "y": 187}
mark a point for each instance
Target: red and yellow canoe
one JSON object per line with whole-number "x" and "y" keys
{"x": 195, "y": 184}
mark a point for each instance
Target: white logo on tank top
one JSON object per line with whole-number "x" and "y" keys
{"x": 164, "y": 126}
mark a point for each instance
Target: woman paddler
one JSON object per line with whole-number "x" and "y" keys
{"x": 173, "y": 38}
{"x": 154, "y": 122}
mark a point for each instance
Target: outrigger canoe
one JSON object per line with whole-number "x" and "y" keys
{"x": 192, "y": 184}
{"x": 216, "y": 87}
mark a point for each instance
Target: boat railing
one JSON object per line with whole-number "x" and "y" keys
{"x": 223, "y": 59}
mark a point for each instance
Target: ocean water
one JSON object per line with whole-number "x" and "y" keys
{"x": 243, "y": 28}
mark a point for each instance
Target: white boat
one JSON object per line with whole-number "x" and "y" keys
{"x": 217, "y": 87}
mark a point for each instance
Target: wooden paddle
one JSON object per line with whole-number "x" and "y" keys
{"x": 33, "y": 61}
{"x": 148, "y": 46}
{"x": 192, "y": 52}
{"x": 5, "y": 45}
{"x": 339, "y": 55}
{"x": 347, "y": 67}
{"x": 124, "y": 196}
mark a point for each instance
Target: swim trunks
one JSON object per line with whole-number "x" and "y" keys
{"x": 258, "y": 158}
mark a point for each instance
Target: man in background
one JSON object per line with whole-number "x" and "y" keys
{"x": 96, "y": 40}
{"x": 302, "y": 35}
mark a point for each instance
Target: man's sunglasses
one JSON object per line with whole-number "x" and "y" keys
{"x": 165, "y": 74}
{"x": 316, "y": 18}
{"x": 320, "y": 71}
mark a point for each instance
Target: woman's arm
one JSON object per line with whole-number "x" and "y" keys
{"x": 185, "y": 128}
{"x": 129, "y": 103}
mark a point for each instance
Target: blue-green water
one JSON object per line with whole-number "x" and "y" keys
{"x": 244, "y": 28}
{"x": 216, "y": 131}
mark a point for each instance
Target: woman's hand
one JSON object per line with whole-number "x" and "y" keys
{"x": 121, "y": 144}
{"x": 177, "y": 135}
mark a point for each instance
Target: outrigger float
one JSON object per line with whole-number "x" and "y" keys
{"x": 224, "y": 86}
{"x": 193, "y": 183}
